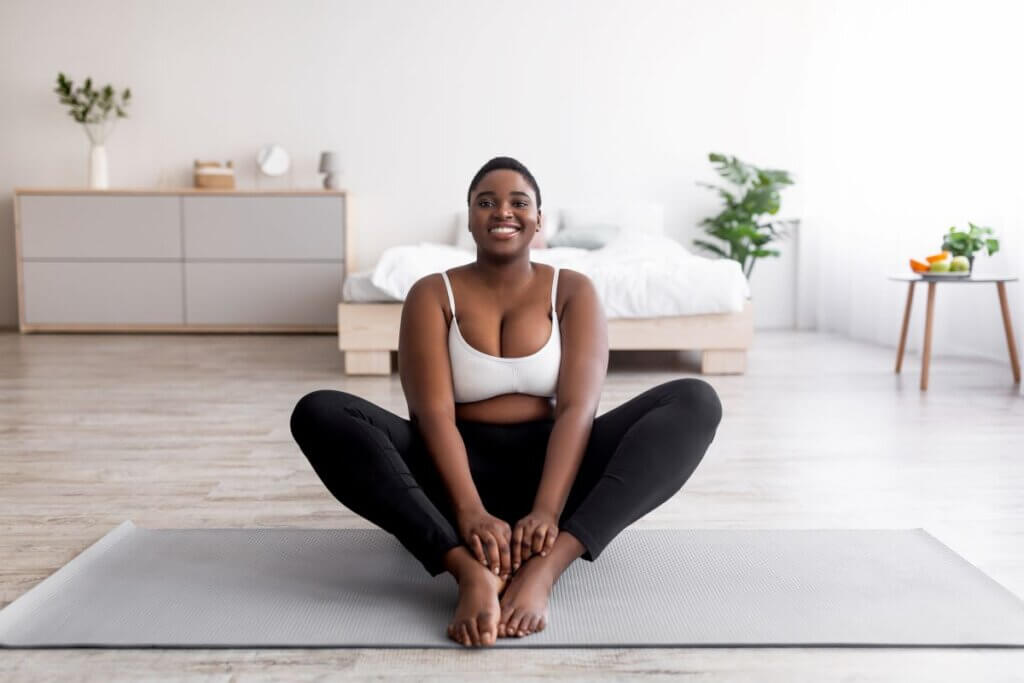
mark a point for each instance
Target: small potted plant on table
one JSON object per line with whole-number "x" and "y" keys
{"x": 964, "y": 244}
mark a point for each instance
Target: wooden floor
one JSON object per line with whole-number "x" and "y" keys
{"x": 192, "y": 431}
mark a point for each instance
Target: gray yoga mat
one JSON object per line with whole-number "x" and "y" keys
{"x": 650, "y": 588}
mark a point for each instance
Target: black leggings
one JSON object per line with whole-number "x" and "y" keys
{"x": 376, "y": 463}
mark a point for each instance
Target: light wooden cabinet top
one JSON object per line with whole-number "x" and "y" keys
{"x": 182, "y": 190}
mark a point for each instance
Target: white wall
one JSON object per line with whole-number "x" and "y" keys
{"x": 604, "y": 101}
{"x": 913, "y": 122}
{"x": 897, "y": 119}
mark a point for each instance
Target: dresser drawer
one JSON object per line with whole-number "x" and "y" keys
{"x": 263, "y": 293}
{"x": 113, "y": 226}
{"x": 264, "y": 227}
{"x": 104, "y": 293}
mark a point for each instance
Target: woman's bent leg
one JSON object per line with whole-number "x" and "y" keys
{"x": 367, "y": 456}
{"x": 638, "y": 455}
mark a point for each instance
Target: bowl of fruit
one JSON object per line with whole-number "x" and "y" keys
{"x": 941, "y": 266}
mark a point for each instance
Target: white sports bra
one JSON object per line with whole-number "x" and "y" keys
{"x": 477, "y": 376}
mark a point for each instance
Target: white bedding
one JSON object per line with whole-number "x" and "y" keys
{"x": 636, "y": 275}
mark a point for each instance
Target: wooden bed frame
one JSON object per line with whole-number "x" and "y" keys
{"x": 368, "y": 333}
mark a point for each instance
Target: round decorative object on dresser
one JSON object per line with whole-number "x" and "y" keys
{"x": 273, "y": 160}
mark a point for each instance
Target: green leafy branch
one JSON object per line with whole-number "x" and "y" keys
{"x": 961, "y": 243}
{"x": 89, "y": 105}
{"x": 755, "y": 193}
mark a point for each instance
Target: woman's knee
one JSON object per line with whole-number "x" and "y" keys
{"x": 316, "y": 409}
{"x": 696, "y": 396}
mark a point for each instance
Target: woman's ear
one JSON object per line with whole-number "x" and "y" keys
{"x": 538, "y": 241}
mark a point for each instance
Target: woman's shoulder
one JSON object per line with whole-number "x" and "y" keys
{"x": 572, "y": 284}
{"x": 570, "y": 281}
{"x": 573, "y": 278}
{"x": 566, "y": 276}
{"x": 430, "y": 291}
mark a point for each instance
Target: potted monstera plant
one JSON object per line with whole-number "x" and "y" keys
{"x": 744, "y": 226}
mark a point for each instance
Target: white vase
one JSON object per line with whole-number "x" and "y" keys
{"x": 98, "y": 168}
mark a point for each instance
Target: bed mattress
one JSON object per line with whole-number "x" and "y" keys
{"x": 639, "y": 276}
{"x": 359, "y": 288}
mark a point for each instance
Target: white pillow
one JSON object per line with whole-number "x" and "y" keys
{"x": 648, "y": 218}
{"x": 464, "y": 240}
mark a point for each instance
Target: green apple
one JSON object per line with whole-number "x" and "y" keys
{"x": 959, "y": 264}
{"x": 939, "y": 267}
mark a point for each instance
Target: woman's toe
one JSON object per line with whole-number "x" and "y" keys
{"x": 509, "y": 619}
{"x": 486, "y": 627}
{"x": 474, "y": 632}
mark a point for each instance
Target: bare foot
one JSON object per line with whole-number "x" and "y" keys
{"x": 476, "y": 616}
{"x": 524, "y": 603}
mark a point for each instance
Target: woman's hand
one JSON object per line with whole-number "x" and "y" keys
{"x": 533, "y": 534}
{"x": 488, "y": 539}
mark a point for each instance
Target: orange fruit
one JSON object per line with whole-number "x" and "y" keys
{"x": 938, "y": 257}
{"x": 918, "y": 266}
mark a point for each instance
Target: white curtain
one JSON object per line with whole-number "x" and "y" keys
{"x": 912, "y": 121}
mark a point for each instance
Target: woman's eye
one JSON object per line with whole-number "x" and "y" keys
{"x": 487, "y": 202}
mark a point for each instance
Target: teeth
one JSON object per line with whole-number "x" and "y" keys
{"x": 504, "y": 231}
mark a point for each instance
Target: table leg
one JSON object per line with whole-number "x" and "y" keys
{"x": 903, "y": 332}
{"x": 926, "y": 353}
{"x": 1011, "y": 343}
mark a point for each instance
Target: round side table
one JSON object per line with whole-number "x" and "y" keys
{"x": 926, "y": 352}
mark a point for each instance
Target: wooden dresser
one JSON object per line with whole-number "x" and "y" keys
{"x": 179, "y": 260}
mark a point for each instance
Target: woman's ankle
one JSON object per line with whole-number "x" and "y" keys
{"x": 458, "y": 561}
{"x": 461, "y": 564}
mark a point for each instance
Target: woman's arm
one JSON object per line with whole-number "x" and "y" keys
{"x": 580, "y": 377}
{"x": 425, "y": 371}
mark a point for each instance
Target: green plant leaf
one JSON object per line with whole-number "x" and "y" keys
{"x": 737, "y": 224}
{"x": 730, "y": 168}
{"x": 88, "y": 105}
{"x": 713, "y": 248}
{"x": 961, "y": 243}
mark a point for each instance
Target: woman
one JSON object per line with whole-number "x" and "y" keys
{"x": 502, "y": 475}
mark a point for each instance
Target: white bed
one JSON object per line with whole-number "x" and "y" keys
{"x": 636, "y": 276}
{"x": 656, "y": 294}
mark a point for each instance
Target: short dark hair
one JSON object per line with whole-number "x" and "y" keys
{"x": 503, "y": 164}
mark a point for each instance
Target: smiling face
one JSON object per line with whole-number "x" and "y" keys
{"x": 503, "y": 213}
